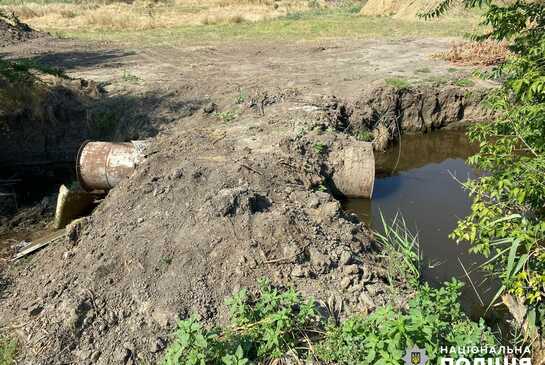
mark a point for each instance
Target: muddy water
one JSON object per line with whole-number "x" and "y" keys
{"x": 420, "y": 179}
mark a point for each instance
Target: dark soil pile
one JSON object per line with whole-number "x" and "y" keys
{"x": 15, "y": 32}
{"x": 197, "y": 221}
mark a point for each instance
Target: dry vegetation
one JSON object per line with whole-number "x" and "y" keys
{"x": 406, "y": 9}
{"x": 486, "y": 53}
{"x": 87, "y": 16}
{"x": 142, "y": 14}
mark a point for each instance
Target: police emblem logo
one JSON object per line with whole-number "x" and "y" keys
{"x": 415, "y": 356}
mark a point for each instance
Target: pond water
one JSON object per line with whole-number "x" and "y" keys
{"x": 420, "y": 179}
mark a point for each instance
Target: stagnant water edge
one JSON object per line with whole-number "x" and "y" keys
{"x": 420, "y": 179}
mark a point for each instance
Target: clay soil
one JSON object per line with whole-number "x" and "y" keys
{"x": 233, "y": 188}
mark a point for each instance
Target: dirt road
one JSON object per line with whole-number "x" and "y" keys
{"x": 327, "y": 67}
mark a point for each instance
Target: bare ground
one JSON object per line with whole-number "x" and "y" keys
{"x": 230, "y": 191}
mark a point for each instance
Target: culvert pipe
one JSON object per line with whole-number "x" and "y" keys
{"x": 353, "y": 169}
{"x": 102, "y": 165}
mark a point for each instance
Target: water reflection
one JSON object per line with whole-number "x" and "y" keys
{"x": 421, "y": 179}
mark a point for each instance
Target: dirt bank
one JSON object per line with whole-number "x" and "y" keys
{"x": 382, "y": 113}
{"x": 13, "y": 31}
{"x": 44, "y": 118}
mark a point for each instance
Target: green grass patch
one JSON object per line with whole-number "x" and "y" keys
{"x": 311, "y": 25}
{"x": 365, "y": 136}
{"x": 424, "y": 70}
{"x": 226, "y": 116}
{"x": 464, "y": 82}
{"x": 8, "y": 351}
{"x": 398, "y": 83}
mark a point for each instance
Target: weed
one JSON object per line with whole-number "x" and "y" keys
{"x": 398, "y": 83}
{"x": 322, "y": 188}
{"x": 130, "y": 78}
{"x": 8, "y": 350}
{"x": 424, "y": 70}
{"x": 241, "y": 97}
{"x": 226, "y": 116}
{"x": 464, "y": 82}
{"x": 164, "y": 260}
{"x": 434, "y": 319}
{"x": 282, "y": 326}
{"x": 365, "y": 136}
{"x": 266, "y": 327}
{"x": 319, "y": 147}
{"x": 401, "y": 251}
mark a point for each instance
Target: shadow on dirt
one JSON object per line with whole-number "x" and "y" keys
{"x": 43, "y": 126}
{"x": 45, "y": 118}
{"x": 70, "y": 60}
{"x": 131, "y": 117}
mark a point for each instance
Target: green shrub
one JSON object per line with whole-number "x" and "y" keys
{"x": 507, "y": 219}
{"x": 282, "y": 324}
{"x": 319, "y": 147}
{"x": 272, "y": 325}
{"x": 434, "y": 319}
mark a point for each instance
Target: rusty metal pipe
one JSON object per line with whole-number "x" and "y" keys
{"x": 354, "y": 170}
{"x": 102, "y": 165}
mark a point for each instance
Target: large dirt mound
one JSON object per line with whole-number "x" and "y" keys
{"x": 206, "y": 214}
{"x": 12, "y": 31}
{"x": 216, "y": 206}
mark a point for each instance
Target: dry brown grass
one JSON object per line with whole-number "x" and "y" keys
{"x": 405, "y": 9}
{"x": 149, "y": 14}
{"x": 486, "y": 53}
